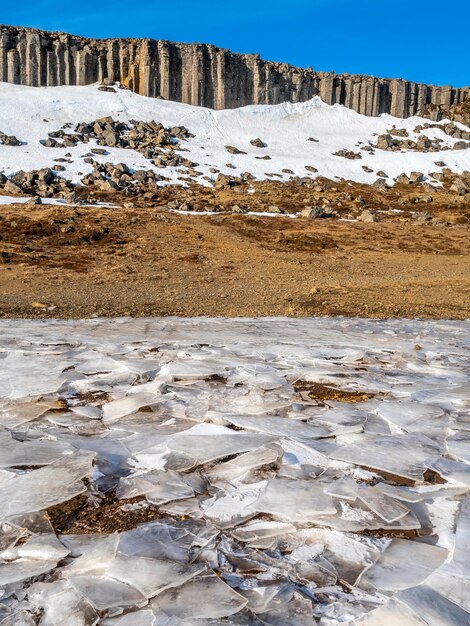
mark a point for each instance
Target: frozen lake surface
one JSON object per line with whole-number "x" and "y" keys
{"x": 170, "y": 472}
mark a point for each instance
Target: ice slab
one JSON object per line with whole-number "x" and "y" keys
{"x": 295, "y": 500}
{"x": 402, "y": 565}
{"x": 42, "y": 488}
{"x": 401, "y": 455}
{"x": 185, "y": 602}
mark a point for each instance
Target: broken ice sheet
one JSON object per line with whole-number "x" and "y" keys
{"x": 251, "y": 366}
{"x": 392, "y": 613}
{"x": 39, "y": 547}
{"x": 405, "y": 414}
{"x": 24, "y": 568}
{"x": 260, "y": 530}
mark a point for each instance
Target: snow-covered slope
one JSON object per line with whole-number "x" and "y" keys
{"x": 31, "y": 113}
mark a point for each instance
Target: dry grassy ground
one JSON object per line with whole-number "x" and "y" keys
{"x": 143, "y": 261}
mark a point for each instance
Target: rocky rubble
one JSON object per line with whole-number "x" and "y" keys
{"x": 151, "y": 139}
{"x": 44, "y": 183}
{"x": 9, "y": 140}
{"x": 398, "y": 139}
{"x": 450, "y": 129}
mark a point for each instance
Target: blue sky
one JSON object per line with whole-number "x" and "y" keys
{"x": 425, "y": 41}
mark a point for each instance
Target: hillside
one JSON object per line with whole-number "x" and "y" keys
{"x": 293, "y": 140}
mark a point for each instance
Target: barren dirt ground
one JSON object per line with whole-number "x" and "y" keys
{"x": 79, "y": 262}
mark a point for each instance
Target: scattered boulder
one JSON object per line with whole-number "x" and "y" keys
{"x": 35, "y": 200}
{"x": 422, "y": 216}
{"x": 461, "y": 145}
{"x": 423, "y": 143}
{"x": 459, "y": 187}
{"x": 313, "y": 212}
{"x": 13, "y": 188}
{"x": 234, "y": 150}
{"x": 403, "y": 179}
{"x": 380, "y": 184}
{"x": 384, "y": 142}
{"x": 348, "y": 154}
{"x": 9, "y": 140}
{"x": 368, "y": 217}
{"x": 416, "y": 177}
{"x": 398, "y": 132}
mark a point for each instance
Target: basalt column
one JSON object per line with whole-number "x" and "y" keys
{"x": 202, "y": 74}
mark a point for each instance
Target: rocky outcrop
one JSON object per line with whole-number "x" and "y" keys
{"x": 203, "y": 74}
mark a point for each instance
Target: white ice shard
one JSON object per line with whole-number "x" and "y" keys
{"x": 22, "y": 569}
{"x": 240, "y": 467}
{"x": 185, "y": 602}
{"x": 157, "y": 486}
{"x": 284, "y": 427}
{"x": 234, "y": 506}
{"x": 112, "y": 411}
{"x": 40, "y": 547}
{"x": 15, "y": 414}
{"x": 22, "y": 376}
{"x": 42, "y": 488}
{"x": 432, "y": 607}
{"x": 402, "y": 455}
{"x": 15, "y": 453}
{"x": 295, "y": 501}
{"x": 403, "y": 564}
{"x": 61, "y": 605}
{"x": 382, "y": 505}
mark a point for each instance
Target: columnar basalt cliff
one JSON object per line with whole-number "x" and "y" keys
{"x": 202, "y": 74}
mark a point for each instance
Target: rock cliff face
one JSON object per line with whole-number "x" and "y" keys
{"x": 202, "y": 74}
